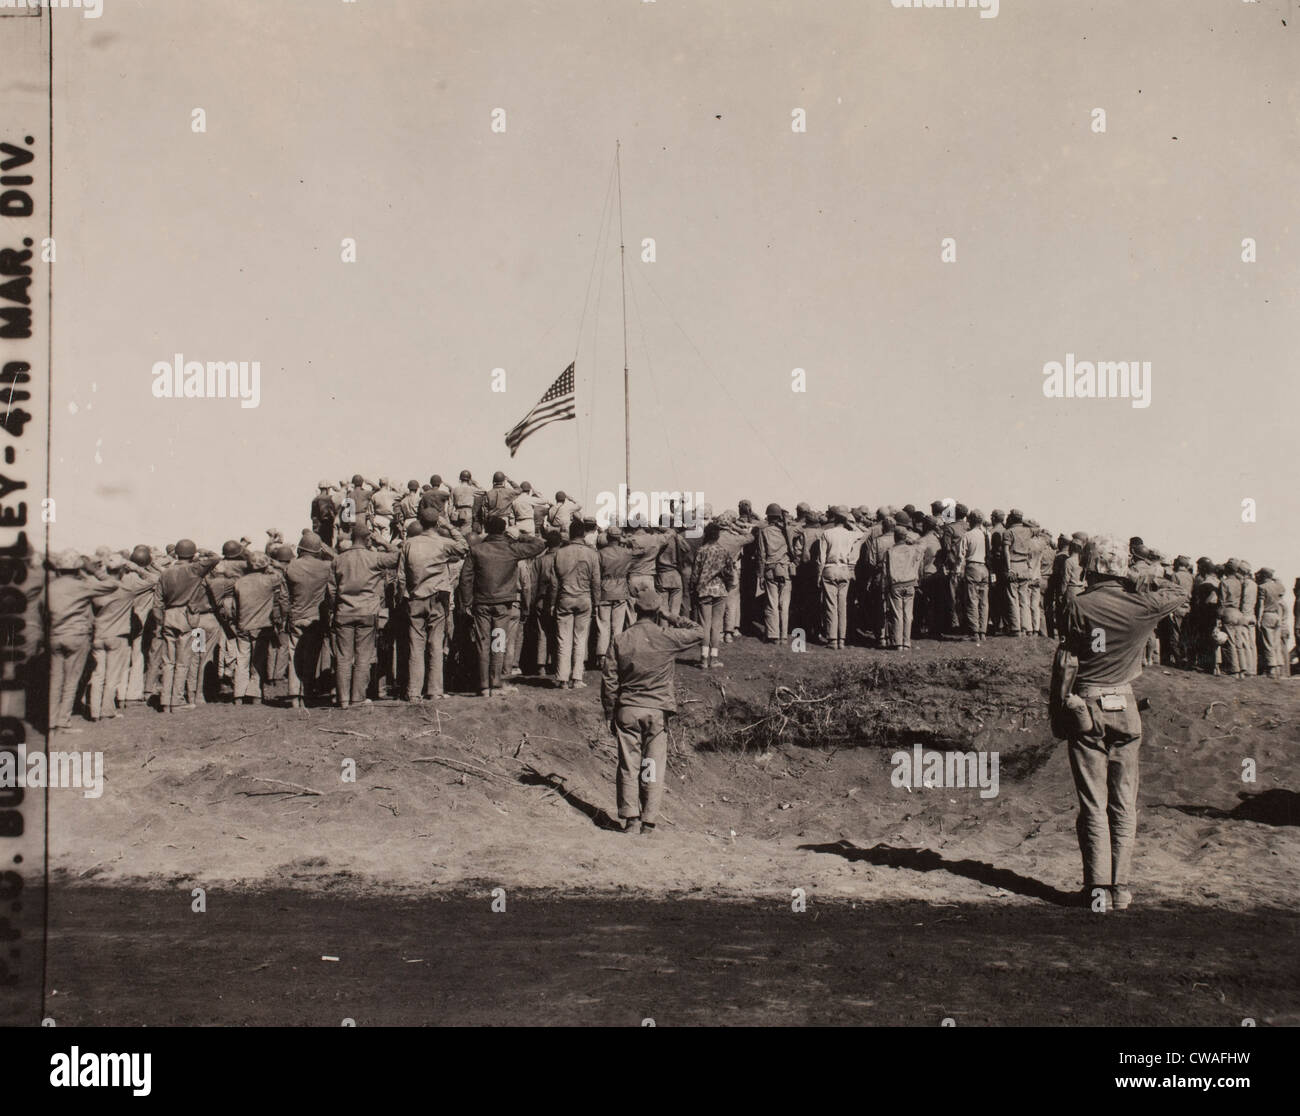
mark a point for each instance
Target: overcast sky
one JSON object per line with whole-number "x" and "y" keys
{"x": 776, "y": 250}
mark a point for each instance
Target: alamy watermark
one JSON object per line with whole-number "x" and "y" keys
{"x": 218, "y": 379}
{"x": 919, "y": 768}
{"x": 83, "y": 771}
{"x": 90, "y": 9}
{"x": 988, "y": 8}
{"x": 631, "y": 507}
{"x": 1103, "y": 379}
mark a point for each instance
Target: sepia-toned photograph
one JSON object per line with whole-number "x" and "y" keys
{"x": 650, "y": 513}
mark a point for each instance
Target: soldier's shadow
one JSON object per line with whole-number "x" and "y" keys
{"x": 1275, "y": 806}
{"x": 599, "y": 817}
{"x": 927, "y": 860}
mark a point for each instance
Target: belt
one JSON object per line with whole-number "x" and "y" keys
{"x": 1089, "y": 691}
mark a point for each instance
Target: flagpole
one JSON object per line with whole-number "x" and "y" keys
{"x": 622, "y": 275}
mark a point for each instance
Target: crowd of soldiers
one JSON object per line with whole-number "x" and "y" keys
{"x": 412, "y": 593}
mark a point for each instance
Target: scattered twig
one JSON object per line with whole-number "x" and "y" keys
{"x": 474, "y": 769}
{"x": 237, "y": 739}
{"x": 281, "y": 783}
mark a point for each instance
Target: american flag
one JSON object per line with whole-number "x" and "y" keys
{"x": 555, "y": 406}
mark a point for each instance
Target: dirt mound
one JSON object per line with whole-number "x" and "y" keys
{"x": 779, "y": 777}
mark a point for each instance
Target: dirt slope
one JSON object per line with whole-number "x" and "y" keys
{"x": 514, "y": 792}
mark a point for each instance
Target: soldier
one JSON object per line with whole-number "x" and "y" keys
{"x": 310, "y": 580}
{"x": 951, "y": 536}
{"x": 1105, "y": 740}
{"x": 1018, "y": 551}
{"x": 182, "y": 640}
{"x": 545, "y": 592}
{"x": 612, "y": 613}
{"x": 1055, "y": 584}
{"x": 932, "y": 586}
{"x": 1143, "y": 561}
{"x": 323, "y": 512}
{"x": 489, "y": 592}
{"x": 424, "y": 576}
{"x": 1173, "y": 629}
{"x": 359, "y": 575}
{"x": 407, "y": 508}
{"x": 208, "y": 642}
{"x": 1072, "y": 579}
{"x": 357, "y": 509}
{"x": 577, "y": 576}
{"x": 464, "y": 497}
{"x": 805, "y": 598}
{"x": 278, "y": 659}
{"x": 1203, "y": 618}
{"x": 776, "y": 560}
{"x": 975, "y": 576}
{"x": 1232, "y": 619}
{"x": 871, "y": 577}
{"x": 750, "y": 594}
{"x": 1040, "y": 544}
{"x": 438, "y": 497}
{"x": 220, "y": 586}
{"x": 1295, "y": 615}
{"x": 837, "y": 555}
{"x": 645, "y": 546}
{"x": 500, "y": 498}
{"x": 112, "y": 633}
{"x": 737, "y": 539}
{"x": 261, "y": 603}
{"x": 901, "y": 571}
{"x": 515, "y": 649}
{"x": 145, "y": 669}
{"x": 536, "y": 578}
{"x": 713, "y": 574}
{"x": 998, "y": 611}
{"x": 562, "y": 514}
{"x": 383, "y": 505}
{"x": 528, "y": 508}
{"x": 1271, "y": 619}
{"x": 70, "y": 620}
{"x": 638, "y": 694}
{"x": 1249, "y": 653}
{"x": 672, "y": 566}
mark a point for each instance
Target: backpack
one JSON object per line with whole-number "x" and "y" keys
{"x": 322, "y": 508}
